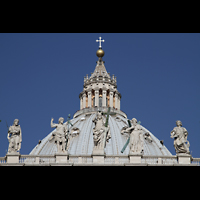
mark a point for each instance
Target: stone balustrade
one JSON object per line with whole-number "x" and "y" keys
{"x": 116, "y": 160}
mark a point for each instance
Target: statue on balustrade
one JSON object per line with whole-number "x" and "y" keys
{"x": 14, "y": 137}
{"x": 101, "y": 133}
{"x": 60, "y": 134}
{"x": 136, "y": 137}
{"x": 179, "y": 133}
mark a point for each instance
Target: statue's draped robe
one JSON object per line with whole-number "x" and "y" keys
{"x": 59, "y": 136}
{"x": 99, "y": 133}
{"x": 15, "y": 138}
{"x": 136, "y": 139}
{"x": 180, "y": 139}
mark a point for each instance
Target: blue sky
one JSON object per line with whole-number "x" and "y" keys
{"x": 157, "y": 74}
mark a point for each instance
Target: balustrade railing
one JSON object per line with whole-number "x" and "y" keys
{"x": 147, "y": 159}
{"x": 109, "y": 160}
{"x": 2, "y": 159}
{"x": 39, "y": 159}
{"x": 88, "y": 159}
{"x": 196, "y": 161}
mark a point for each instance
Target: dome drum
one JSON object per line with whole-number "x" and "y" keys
{"x": 100, "y": 97}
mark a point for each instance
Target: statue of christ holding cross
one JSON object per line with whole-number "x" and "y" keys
{"x": 101, "y": 132}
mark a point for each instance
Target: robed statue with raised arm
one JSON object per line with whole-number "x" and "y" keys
{"x": 60, "y": 134}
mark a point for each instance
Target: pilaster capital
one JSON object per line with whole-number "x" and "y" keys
{"x": 112, "y": 90}
{"x": 104, "y": 92}
{"x": 96, "y": 91}
{"x": 89, "y": 92}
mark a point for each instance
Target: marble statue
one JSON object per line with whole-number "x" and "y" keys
{"x": 179, "y": 133}
{"x": 101, "y": 133}
{"x": 136, "y": 137}
{"x": 14, "y": 137}
{"x": 59, "y": 136}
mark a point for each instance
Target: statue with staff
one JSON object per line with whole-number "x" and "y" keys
{"x": 101, "y": 132}
{"x": 135, "y": 139}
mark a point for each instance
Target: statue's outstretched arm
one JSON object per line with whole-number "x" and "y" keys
{"x": 52, "y": 124}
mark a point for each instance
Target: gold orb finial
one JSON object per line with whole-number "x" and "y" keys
{"x": 100, "y": 53}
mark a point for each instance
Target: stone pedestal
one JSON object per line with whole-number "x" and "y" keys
{"x": 184, "y": 158}
{"x": 98, "y": 152}
{"x": 98, "y": 159}
{"x": 80, "y": 159}
{"x": 135, "y": 157}
{"x": 61, "y": 157}
{"x": 12, "y": 157}
{"x": 98, "y": 156}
